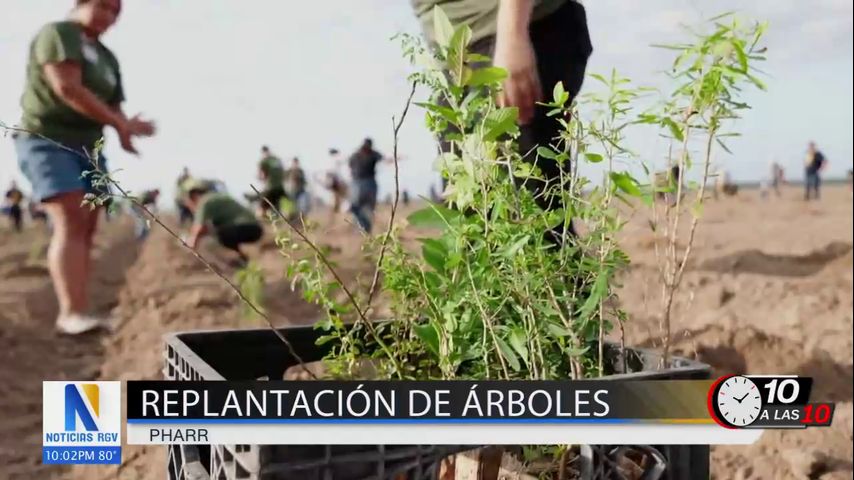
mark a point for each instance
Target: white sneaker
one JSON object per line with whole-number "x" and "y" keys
{"x": 75, "y": 324}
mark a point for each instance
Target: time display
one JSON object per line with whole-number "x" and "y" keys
{"x": 738, "y": 401}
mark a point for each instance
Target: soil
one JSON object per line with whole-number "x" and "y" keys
{"x": 768, "y": 290}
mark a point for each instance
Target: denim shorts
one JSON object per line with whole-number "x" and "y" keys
{"x": 53, "y": 170}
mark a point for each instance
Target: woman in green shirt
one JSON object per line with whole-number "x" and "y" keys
{"x": 73, "y": 89}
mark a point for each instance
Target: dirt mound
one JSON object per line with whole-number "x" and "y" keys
{"x": 30, "y": 350}
{"x": 759, "y": 262}
{"x": 169, "y": 290}
{"x": 749, "y": 350}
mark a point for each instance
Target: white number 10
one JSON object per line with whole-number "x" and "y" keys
{"x": 781, "y": 392}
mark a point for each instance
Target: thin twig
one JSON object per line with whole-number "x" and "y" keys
{"x": 328, "y": 265}
{"x": 489, "y": 326}
{"x": 387, "y": 237}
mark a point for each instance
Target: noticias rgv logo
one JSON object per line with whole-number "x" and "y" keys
{"x": 76, "y": 407}
{"x": 82, "y": 408}
{"x": 81, "y": 422}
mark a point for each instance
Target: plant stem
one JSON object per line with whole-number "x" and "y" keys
{"x": 387, "y": 237}
{"x": 326, "y": 263}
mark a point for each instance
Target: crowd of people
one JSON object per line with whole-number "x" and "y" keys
{"x": 73, "y": 90}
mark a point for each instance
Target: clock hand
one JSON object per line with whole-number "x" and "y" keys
{"x": 739, "y": 400}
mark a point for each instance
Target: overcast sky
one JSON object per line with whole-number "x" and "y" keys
{"x": 222, "y": 77}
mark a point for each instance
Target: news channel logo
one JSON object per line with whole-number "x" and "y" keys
{"x": 767, "y": 401}
{"x": 82, "y": 423}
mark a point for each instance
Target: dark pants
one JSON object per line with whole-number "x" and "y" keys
{"x": 363, "y": 201}
{"x": 812, "y": 183}
{"x": 274, "y": 196}
{"x": 185, "y": 216}
{"x": 16, "y": 215}
{"x": 562, "y": 45}
{"x": 233, "y": 236}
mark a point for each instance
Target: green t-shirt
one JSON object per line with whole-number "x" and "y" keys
{"x": 274, "y": 173}
{"x": 44, "y": 112}
{"x": 480, "y": 15}
{"x": 218, "y": 210}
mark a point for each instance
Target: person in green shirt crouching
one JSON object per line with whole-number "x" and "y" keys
{"x": 222, "y": 216}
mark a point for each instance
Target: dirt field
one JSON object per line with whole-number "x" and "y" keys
{"x": 769, "y": 291}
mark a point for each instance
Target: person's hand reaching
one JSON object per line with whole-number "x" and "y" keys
{"x": 134, "y": 127}
{"x": 521, "y": 89}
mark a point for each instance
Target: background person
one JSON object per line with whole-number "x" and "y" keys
{"x": 218, "y": 214}
{"x": 36, "y": 211}
{"x": 815, "y": 163}
{"x": 148, "y": 200}
{"x": 12, "y": 206}
{"x": 363, "y": 190}
{"x": 73, "y": 89}
{"x": 185, "y": 216}
{"x": 271, "y": 172}
{"x": 336, "y": 186}
{"x": 295, "y": 188}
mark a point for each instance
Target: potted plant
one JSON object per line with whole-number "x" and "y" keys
{"x": 488, "y": 291}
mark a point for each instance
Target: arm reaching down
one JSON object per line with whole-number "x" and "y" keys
{"x": 515, "y": 53}
{"x": 197, "y": 231}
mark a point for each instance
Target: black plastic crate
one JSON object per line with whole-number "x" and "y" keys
{"x": 253, "y": 354}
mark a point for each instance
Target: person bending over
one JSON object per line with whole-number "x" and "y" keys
{"x": 221, "y": 216}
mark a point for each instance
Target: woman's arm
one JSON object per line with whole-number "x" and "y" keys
{"x": 66, "y": 81}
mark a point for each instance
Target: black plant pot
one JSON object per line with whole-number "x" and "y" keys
{"x": 253, "y": 354}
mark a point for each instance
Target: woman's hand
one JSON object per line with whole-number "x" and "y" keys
{"x": 515, "y": 53}
{"x": 128, "y": 128}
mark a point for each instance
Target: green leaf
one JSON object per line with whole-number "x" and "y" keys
{"x": 434, "y": 253}
{"x": 597, "y": 293}
{"x": 519, "y": 343}
{"x": 500, "y": 122}
{"x": 626, "y": 183}
{"x": 593, "y": 157}
{"x": 508, "y": 354}
{"x": 487, "y": 76}
{"x": 428, "y": 334}
{"x": 324, "y": 339}
{"x": 559, "y": 95}
{"x": 759, "y": 83}
{"x": 576, "y": 352}
{"x": 675, "y": 129}
{"x": 443, "y": 30}
{"x": 558, "y": 330}
{"x": 516, "y": 246}
{"x": 546, "y": 152}
{"x": 723, "y": 145}
{"x": 432, "y": 280}
{"x": 447, "y": 113}
{"x": 599, "y": 77}
{"x": 432, "y": 216}
{"x": 456, "y": 61}
{"x": 478, "y": 58}
{"x": 739, "y": 53}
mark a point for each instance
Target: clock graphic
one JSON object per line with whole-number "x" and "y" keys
{"x": 735, "y": 401}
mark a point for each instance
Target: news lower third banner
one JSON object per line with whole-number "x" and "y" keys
{"x": 427, "y": 413}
